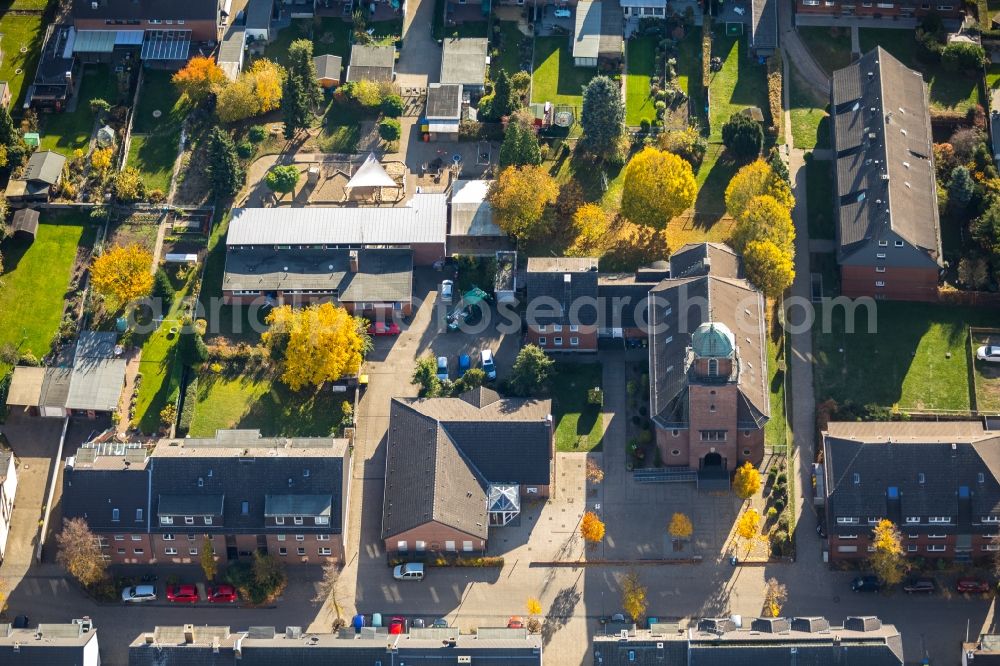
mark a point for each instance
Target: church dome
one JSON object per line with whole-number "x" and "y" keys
{"x": 713, "y": 340}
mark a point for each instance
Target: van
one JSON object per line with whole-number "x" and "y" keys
{"x": 409, "y": 571}
{"x": 486, "y": 361}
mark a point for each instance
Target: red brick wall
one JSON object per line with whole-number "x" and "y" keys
{"x": 901, "y": 284}
{"x": 702, "y": 417}
{"x": 838, "y": 9}
{"x": 922, "y": 541}
{"x": 434, "y": 535}
{"x": 667, "y": 444}
{"x": 201, "y": 31}
{"x": 111, "y": 548}
{"x": 154, "y": 548}
{"x": 425, "y": 254}
{"x": 587, "y": 336}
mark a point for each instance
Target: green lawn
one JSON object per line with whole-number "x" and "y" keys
{"x": 579, "y": 426}
{"x": 65, "y": 132}
{"x": 278, "y": 49}
{"x": 831, "y": 47}
{"x": 949, "y": 91}
{"x": 741, "y": 82}
{"x": 641, "y": 63}
{"x": 161, "y": 373}
{"x": 776, "y": 432}
{"x": 556, "y": 79}
{"x": 265, "y": 404}
{"x": 153, "y": 147}
{"x": 33, "y": 286}
{"x": 510, "y": 53}
{"x": 810, "y": 120}
{"x": 689, "y": 70}
{"x": 333, "y": 37}
{"x": 904, "y": 362}
{"x": 19, "y": 32}
{"x": 714, "y": 174}
{"x": 819, "y": 198}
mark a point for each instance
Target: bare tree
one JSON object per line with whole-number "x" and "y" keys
{"x": 327, "y": 587}
{"x": 594, "y": 472}
{"x": 775, "y": 597}
{"x": 80, "y": 552}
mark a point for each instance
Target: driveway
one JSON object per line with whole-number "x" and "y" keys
{"x": 420, "y": 58}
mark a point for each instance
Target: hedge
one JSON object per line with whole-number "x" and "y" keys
{"x": 187, "y": 407}
{"x": 774, "y": 83}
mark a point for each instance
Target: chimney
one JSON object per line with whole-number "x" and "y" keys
{"x": 189, "y": 633}
{"x": 354, "y": 261}
{"x": 150, "y": 638}
{"x": 215, "y": 644}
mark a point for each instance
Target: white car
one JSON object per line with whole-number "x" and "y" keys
{"x": 442, "y": 368}
{"x": 989, "y": 353}
{"x": 486, "y": 361}
{"x": 562, "y": 12}
{"x": 447, "y": 289}
{"x": 409, "y": 571}
{"x": 139, "y": 593}
{"x": 739, "y": 10}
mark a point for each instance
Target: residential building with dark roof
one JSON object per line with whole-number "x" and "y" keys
{"x": 8, "y": 490}
{"x": 561, "y": 310}
{"x": 463, "y": 62}
{"x": 887, "y": 11}
{"x": 708, "y": 363}
{"x": 363, "y": 281}
{"x": 42, "y": 174}
{"x": 443, "y": 111}
{"x": 597, "y": 35}
{"x": 939, "y": 483}
{"x": 888, "y": 235}
{"x": 455, "y": 467}
{"x": 861, "y": 641}
{"x": 188, "y": 645}
{"x": 199, "y": 18}
{"x": 763, "y": 27}
{"x": 371, "y": 63}
{"x": 71, "y": 644}
{"x": 258, "y": 20}
{"x": 284, "y": 496}
{"x": 56, "y": 73}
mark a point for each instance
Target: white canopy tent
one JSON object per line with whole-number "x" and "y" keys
{"x": 370, "y": 178}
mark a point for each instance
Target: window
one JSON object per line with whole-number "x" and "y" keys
{"x": 981, "y": 478}
{"x": 300, "y": 537}
{"x": 883, "y": 243}
{"x": 557, "y": 342}
{"x": 711, "y": 408}
{"x": 847, "y": 536}
{"x": 810, "y": 3}
{"x": 166, "y": 520}
{"x": 467, "y": 546}
{"x": 573, "y": 328}
{"x": 282, "y": 551}
{"x": 991, "y": 547}
{"x": 921, "y": 478}
{"x": 541, "y": 342}
{"x": 301, "y": 551}
{"x": 885, "y": 5}
{"x": 531, "y": 490}
{"x": 180, "y": 21}
{"x": 847, "y": 520}
{"x": 279, "y": 520}
{"x": 574, "y": 342}
{"x": 401, "y": 545}
{"x": 322, "y": 537}
{"x": 322, "y": 520}
{"x": 880, "y": 269}
{"x": 880, "y": 255}
{"x": 245, "y": 508}
{"x": 192, "y": 551}
{"x": 166, "y": 537}
{"x": 155, "y": 21}
{"x": 297, "y": 520}
{"x": 114, "y": 515}
{"x": 713, "y": 367}
{"x": 912, "y": 549}
{"x": 541, "y": 329}
{"x": 325, "y": 551}
{"x": 136, "y": 537}
{"x": 746, "y": 452}
{"x": 991, "y": 519}
{"x": 847, "y": 549}
{"x": 557, "y": 328}
{"x": 119, "y": 537}
{"x": 191, "y": 537}
{"x": 675, "y": 433}
{"x": 189, "y": 520}
{"x": 138, "y": 515}
{"x": 208, "y": 520}
{"x": 121, "y": 551}
{"x": 675, "y": 452}
{"x": 898, "y": 243}
{"x": 873, "y": 521}
{"x": 138, "y": 551}
{"x": 879, "y": 283}
{"x": 871, "y": 549}
{"x": 305, "y": 473}
{"x": 911, "y": 520}
{"x": 450, "y": 546}
{"x": 941, "y": 520}
{"x": 421, "y": 546}
{"x": 937, "y": 548}
{"x": 857, "y": 478}
{"x": 937, "y": 536}
{"x": 713, "y": 435}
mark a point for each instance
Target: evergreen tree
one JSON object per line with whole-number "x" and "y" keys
{"x": 520, "y": 146}
{"x": 301, "y": 93}
{"x": 961, "y": 190}
{"x": 224, "y": 167}
{"x": 603, "y": 116}
{"x": 503, "y": 104}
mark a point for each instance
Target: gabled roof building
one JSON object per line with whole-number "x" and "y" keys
{"x": 888, "y": 234}
{"x": 455, "y": 467}
{"x": 559, "y": 290}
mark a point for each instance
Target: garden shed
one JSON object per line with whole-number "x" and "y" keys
{"x": 24, "y": 224}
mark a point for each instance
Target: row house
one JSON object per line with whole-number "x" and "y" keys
{"x": 939, "y": 483}
{"x": 240, "y": 492}
{"x": 887, "y": 10}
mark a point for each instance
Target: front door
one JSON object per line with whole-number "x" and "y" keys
{"x": 712, "y": 461}
{"x": 232, "y": 554}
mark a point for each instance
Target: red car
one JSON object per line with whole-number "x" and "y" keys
{"x": 182, "y": 594}
{"x": 972, "y": 585}
{"x": 222, "y": 594}
{"x": 515, "y": 623}
{"x": 397, "y": 625}
{"x": 381, "y": 328}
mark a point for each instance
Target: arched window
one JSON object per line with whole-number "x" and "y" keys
{"x": 713, "y": 367}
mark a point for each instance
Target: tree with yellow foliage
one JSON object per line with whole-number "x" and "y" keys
{"x": 268, "y": 77}
{"x": 680, "y": 526}
{"x": 519, "y": 197}
{"x": 658, "y": 186}
{"x": 775, "y": 597}
{"x": 122, "y": 274}
{"x": 888, "y": 560}
{"x": 768, "y": 267}
{"x": 534, "y": 606}
{"x": 199, "y": 77}
{"x": 100, "y": 159}
{"x": 591, "y": 529}
{"x": 753, "y": 180}
{"x": 237, "y": 101}
{"x": 748, "y": 527}
{"x": 315, "y": 344}
{"x": 593, "y": 232}
{"x": 765, "y": 218}
{"x": 633, "y": 596}
{"x": 746, "y": 481}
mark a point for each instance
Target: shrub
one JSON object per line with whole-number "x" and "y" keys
{"x": 168, "y": 415}
{"x": 392, "y": 106}
{"x": 772, "y": 513}
{"x": 781, "y": 479}
{"x": 187, "y": 409}
{"x": 779, "y": 505}
{"x": 389, "y": 129}
{"x": 244, "y": 149}
{"x": 595, "y": 396}
{"x": 742, "y": 136}
{"x": 963, "y": 57}
{"x": 259, "y": 581}
{"x": 257, "y": 134}
{"x": 774, "y": 83}
{"x": 646, "y": 436}
{"x": 781, "y": 543}
{"x": 162, "y": 289}
{"x": 783, "y": 524}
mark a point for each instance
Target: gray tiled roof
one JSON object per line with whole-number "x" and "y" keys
{"x": 547, "y": 278}
{"x": 444, "y": 101}
{"x": 587, "y": 29}
{"x": 45, "y": 166}
{"x": 463, "y": 60}
{"x": 885, "y": 181}
{"x": 678, "y": 307}
{"x": 96, "y": 384}
{"x": 328, "y": 66}
{"x": 764, "y": 24}
{"x": 701, "y": 258}
{"x": 384, "y": 275}
{"x": 95, "y": 491}
{"x": 259, "y": 14}
{"x": 443, "y": 452}
{"x": 146, "y": 9}
{"x": 190, "y": 505}
{"x": 928, "y": 464}
{"x": 297, "y": 505}
{"x": 423, "y": 220}
{"x": 371, "y": 63}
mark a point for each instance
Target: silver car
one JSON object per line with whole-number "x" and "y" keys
{"x": 989, "y": 353}
{"x": 138, "y": 594}
{"x": 409, "y": 571}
